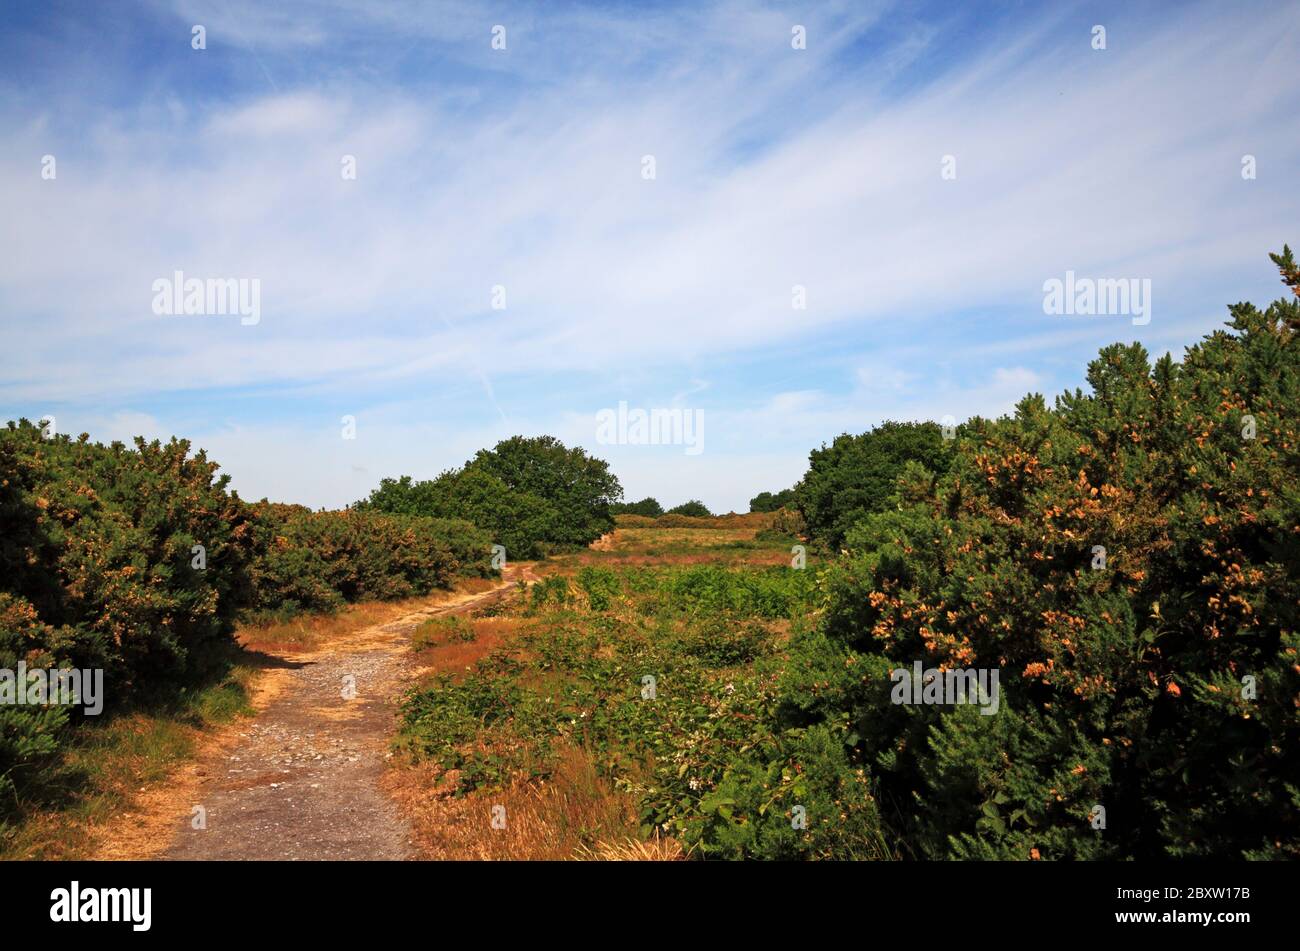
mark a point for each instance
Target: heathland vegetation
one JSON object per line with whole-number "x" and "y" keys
{"x": 1126, "y": 560}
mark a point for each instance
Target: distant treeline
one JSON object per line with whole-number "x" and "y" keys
{"x": 650, "y": 508}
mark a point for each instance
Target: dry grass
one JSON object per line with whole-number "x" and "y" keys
{"x": 631, "y": 850}
{"x": 440, "y": 651}
{"x": 119, "y": 763}
{"x": 311, "y": 632}
{"x": 720, "y": 542}
{"x": 576, "y": 814}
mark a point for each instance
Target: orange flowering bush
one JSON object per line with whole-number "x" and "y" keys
{"x": 1129, "y": 561}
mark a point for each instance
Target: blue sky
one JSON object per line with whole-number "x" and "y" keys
{"x": 522, "y": 168}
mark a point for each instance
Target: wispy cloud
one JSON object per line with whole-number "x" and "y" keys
{"x": 522, "y": 169}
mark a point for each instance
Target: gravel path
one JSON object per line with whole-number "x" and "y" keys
{"x": 301, "y": 782}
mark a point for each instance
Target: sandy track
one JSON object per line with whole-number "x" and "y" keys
{"x": 300, "y": 780}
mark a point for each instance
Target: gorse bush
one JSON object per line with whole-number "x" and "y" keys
{"x": 97, "y": 549}
{"x": 316, "y": 561}
{"x": 1129, "y": 560}
{"x": 140, "y": 561}
{"x": 97, "y": 554}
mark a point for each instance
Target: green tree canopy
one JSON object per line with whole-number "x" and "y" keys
{"x": 856, "y": 475}
{"x": 694, "y": 508}
{"x": 529, "y": 494}
{"x": 648, "y": 507}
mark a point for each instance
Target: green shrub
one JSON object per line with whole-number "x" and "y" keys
{"x": 1124, "y": 682}
{"x": 98, "y": 570}
{"x": 316, "y": 561}
{"x": 98, "y": 542}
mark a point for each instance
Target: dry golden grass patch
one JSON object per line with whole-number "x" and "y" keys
{"x": 311, "y": 632}
{"x": 449, "y": 655}
{"x": 125, "y": 766}
{"x": 575, "y": 814}
{"x": 751, "y": 520}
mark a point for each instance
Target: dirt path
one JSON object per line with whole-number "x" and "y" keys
{"x": 300, "y": 780}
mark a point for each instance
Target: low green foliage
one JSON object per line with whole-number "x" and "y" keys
{"x": 447, "y": 629}
{"x": 688, "y": 749}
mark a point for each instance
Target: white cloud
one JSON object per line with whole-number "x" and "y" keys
{"x": 774, "y": 169}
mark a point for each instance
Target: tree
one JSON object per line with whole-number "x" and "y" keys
{"x": 530, "y": 495}
{"x": 856, "y": 475}
{"x": 771, "y": 502}
{"x": 579, "y": 487}
{"x": 648, "y": 507}
{"x": 694, "y": 508}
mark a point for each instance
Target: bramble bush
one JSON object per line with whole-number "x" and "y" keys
{"x": 710, "y": 638}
